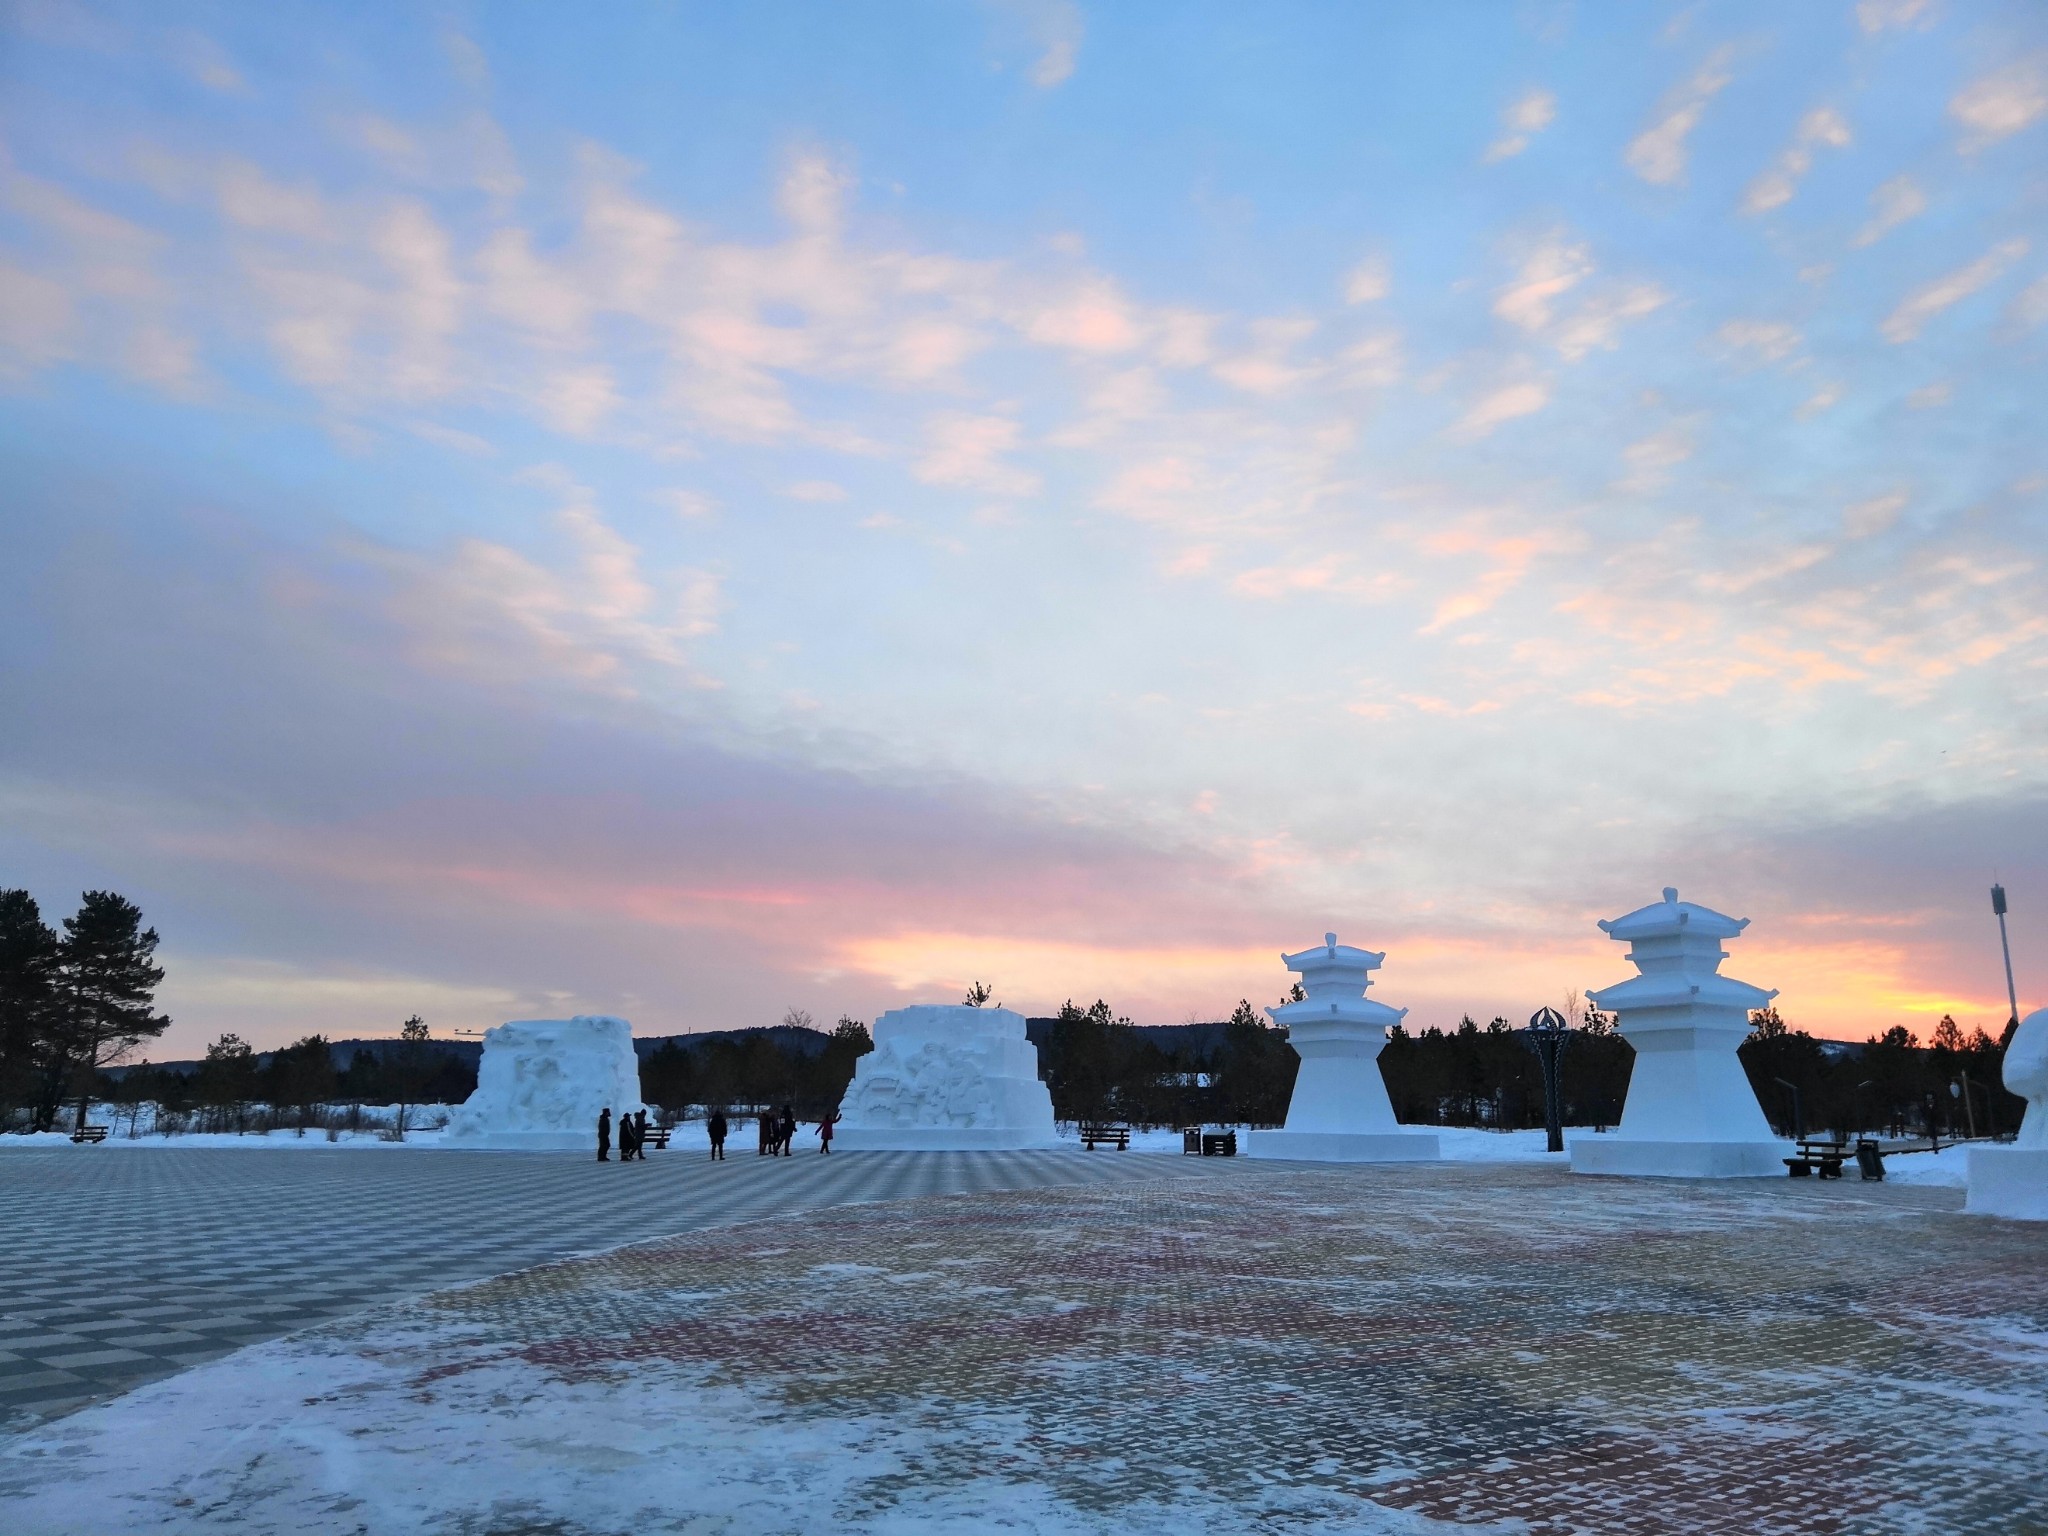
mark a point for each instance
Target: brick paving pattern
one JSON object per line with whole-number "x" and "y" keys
{"x": 1474, "y": 1344}
{"x": 126, "y": 1264}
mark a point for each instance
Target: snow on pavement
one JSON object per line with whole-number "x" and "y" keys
{"x": 1345, "y": 1349}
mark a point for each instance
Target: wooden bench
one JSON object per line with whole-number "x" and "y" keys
{"x": 90, "y": 1133}
{"x": 657, "y": 1136}
{"x": 1117, "y": 1135}
{"x": 1822, "y": 1157}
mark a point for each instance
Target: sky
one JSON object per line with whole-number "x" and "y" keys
{"x": 693, "y": 511}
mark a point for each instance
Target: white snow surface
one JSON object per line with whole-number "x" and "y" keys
{"x": 947, "y": 1077}
{"x": 302, "y": 1436}
{"x": 542, "y": 1082}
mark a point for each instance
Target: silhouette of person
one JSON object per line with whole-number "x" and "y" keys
{"x": 788, "y": 1128}
{"x": 629, "y": 1141}
{"x": 767, "y": 1132}
{"x": 716, "y": 1126}
{"x": 825, "y": 1131}
{"x": 604, "y": 1135}
{"x": 640, "y": 1134}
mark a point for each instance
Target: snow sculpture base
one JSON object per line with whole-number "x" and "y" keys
{"x": 2013, "y": 1181}
{"x": 1344, "y": 1147}
{"x": 2009, "y": 1181}
{"x": 1626, "y": 1157}
{"x": 541, "y": 1083}
{"x": 946, "y": 1079}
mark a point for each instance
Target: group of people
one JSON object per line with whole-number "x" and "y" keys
{"x": 632, "y": 1136}
{"x": 777, "y": 1132}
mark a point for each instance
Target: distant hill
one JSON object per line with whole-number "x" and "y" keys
{"x": 1169, "y": 1037}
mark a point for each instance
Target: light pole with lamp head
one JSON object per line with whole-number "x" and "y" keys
{"x": 2012, "y": 996}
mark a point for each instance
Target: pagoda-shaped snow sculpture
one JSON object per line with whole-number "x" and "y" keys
{"x": 2013, "y": 1181}
{"x": 1340, "y": 1112}
{"x": 541, "y": 1083}
{"x": 1691, "y": 1113}
{"x": 946, "y": 1078}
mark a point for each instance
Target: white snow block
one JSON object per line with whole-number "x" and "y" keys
{"x": 944, "y": 1079}
{"x": 1690, "y": 1113}
{"x": 542, "y": 1082}
{"x": 1344, "y": 1147}
{"x": 1677, "y": 1159}
{"x": 1340, "y": 1112}
{"x": 2009, "y": 1181}
{"x": 2013, "y": 1181}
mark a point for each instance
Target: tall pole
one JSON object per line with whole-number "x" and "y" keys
{"x": 1546, "y": 1036}
{"x": 2012, "y": 997}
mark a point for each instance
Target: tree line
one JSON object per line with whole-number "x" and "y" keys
{"x": 71, "y": 1003}
{"x": 298, "y": 1087}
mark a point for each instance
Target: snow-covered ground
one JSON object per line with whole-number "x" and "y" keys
{"x": 1948, "y": 1168}
{"x": 299, "y": 1438}
{"x": 1459, "y": 1144}
{"x": 1289, "y": 1352}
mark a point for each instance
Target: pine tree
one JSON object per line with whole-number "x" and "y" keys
{"x": 227, "y": 1081}
{"x": 28, "y": 973}
{"x": 407, "y": 1069}
{"x": 107, "y": 978}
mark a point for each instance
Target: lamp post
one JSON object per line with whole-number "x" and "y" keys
{"x": 1546, "y": 1036}
{"x": 2012, "y": 996}
{"x": 1798, "y": 1115}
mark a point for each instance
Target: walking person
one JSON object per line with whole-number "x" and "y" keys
{"x": 604, "y": 1134}
{"x": 640, "y": 1133}
{"x": 825, "y": 1131}
{"x": 788, "y": 1129}
{"x": 767, "y": 1123}
{"x": 627, "y": 1145}
{"x": 716, "y": 1128}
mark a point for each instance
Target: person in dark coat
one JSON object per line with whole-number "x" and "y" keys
{"x": 640, "y": 1134}
{"x": 788, "y": 1129}
{"x": 629, "y": 1138}
{"x": 767, "y": 1132}
{"x": 825, "y": 1132}
{"x": 716, "y": 1126}
{"x": 604, "y": 1134}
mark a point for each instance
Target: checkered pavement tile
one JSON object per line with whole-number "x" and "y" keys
{"x": 130, "y": 1263}
{"x": 1472, "y": 1344}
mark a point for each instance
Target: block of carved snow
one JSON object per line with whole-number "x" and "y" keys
{"x": 1340, "y": 1112}
{"x": 1690, "y": 1111}
{"x": 2013, "y": 1181}
{"x": 944, "y": 1078}
{"x": 542, "y": 1082}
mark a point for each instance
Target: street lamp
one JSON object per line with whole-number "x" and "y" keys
{"x": 1546, "y": 1036}
{"x": 1798, "y": 1115}
{"x": 2012, "y": 997}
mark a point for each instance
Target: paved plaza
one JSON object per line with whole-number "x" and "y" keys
{"x": 1263, "y": 1348}
{"x": 130, "y": 1263}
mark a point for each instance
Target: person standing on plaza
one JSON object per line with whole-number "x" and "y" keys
{"x": 788, "y": 1129}
{"x": 640, "y": 1133}
{"x": 604, "y": 1135}
{"x": 626, "y": 1145}
{"x": 825, "y": 1131}
{"x": 716, "y": 1128}
{"x": 767, "y": 1132}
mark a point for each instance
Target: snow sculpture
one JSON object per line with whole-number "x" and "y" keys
{"x": 2013, "y": 1181}
{"x": 1690, "y": 1112}
{"x": 542, "y": 1082}
{"x": 946, "y": 1078}
{"x": 1340, "y": 1112}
